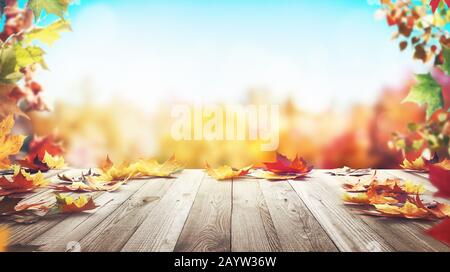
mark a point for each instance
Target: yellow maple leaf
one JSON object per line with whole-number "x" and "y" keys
{"x": 409, "y": 210}
{"x": 54, "y": 162}
{"x": 226, "y": 172}
{"x": 154, "y": 169}
{"x": 418, "y": 164}
{"x": 139, "y": 169}
{"x": 274, "y": 176}
{"x": 49, "y": 34}
{"x": 68, "y": 204}
{"x": 413, "y": 188}
{"x": 356, "y": 198}
{"x": 9, "y": 144}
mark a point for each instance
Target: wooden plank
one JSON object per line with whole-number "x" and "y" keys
{"x": 163, "y": 225}
{"x": 348, "y": 231}
{"x": 23, "y": 234}
{"x": 252, "y": 229}
{"x": 296, "y": 227}
{"x": 208, "y": 227}
{"x": 113, "y": 232}
{"x": 74, "y": 227}
{"x": 401, "y": 234}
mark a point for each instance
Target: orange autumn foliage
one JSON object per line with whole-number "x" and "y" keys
{"x": 21, "y": 182}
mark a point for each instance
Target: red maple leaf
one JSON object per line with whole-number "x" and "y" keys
{"x": 40, "y": 145}
{"x": 435, "y": 4}
{"x": 283, "y": 165}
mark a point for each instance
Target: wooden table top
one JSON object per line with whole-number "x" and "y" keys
{"x": 194, "y": 212}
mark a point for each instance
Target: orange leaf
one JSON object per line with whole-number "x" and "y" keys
{"x": 226, "y": 172}
{"x": 67, "y": 204}
{"x": 283, "y": 165}
{"x": 21, "y": 182}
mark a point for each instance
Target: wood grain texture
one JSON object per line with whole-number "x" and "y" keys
{"x": 252, "y": 228}
{"x": 163, "y": 225}
{"x": 296, "y": 227}
{"x": 208, "y": 227}
{"x": 74, "y": 228}
{"x": 193, "y": 212}
{"x": 115, "y": 231}
{"x": 401, "y": 234}
{"x": 347, "y": 230}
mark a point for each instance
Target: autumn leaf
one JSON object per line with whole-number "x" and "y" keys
{"x": 283, "y": 165}
{"x": 26, "y": 56}
{"x": 274, "y": 177}
{"x": 395, "y": 186}
{"x": 151, "y": 168}
{"x": 49, "y": 34}
{"x": 86, "y": 187}
{"x": 8, "y": 64}
{"x": 34, "y": 165}
{"x": 408, "y": 210}
{"x": 13, "y": 205}
{"x": 417, "y": 165}
{"x": 413, "y": 208}
{"x": 9, "y": 144}
{"x": 40, "y": 145}
{"x": 226, "y": 172}
{"x": 54, "y": 162}
{"x": 427, "y": 92}
{"x": 4, "y": 236}
{"x": 440, "y": 177}
{"x": 356, "y": 198}
{"x": 68, "y": 204}
{"x": 56, "y": 7}
{"x": 139, "y": 169}
{"x": 21, "y": 182}
{"x": 441, "y": 232}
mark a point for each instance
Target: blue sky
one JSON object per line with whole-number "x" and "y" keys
{"x": 321, "y": 52}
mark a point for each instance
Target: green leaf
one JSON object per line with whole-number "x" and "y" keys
{"x": 426, "y": 92}
{"x": 49, "y": 34}
{"x": 445, "y": 67}
{"x": 8, "y": 63}
{"x": 57, "y": 7}
{"x": 26, "y": 56}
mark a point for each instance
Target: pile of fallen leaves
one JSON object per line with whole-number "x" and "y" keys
{"x": 282, "y": 169}
{"x": 393, "y": 198}
{"x": 19, "y": 181}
